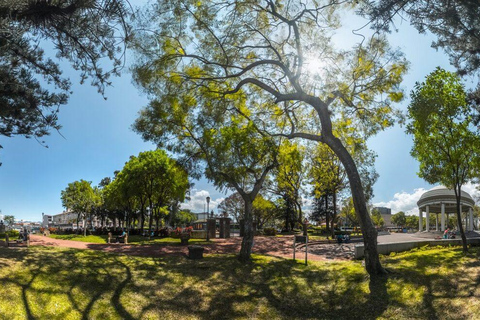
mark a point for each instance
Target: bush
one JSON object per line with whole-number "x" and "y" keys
{"x": 269, "y": 231}
{"x": 11, "y": 234}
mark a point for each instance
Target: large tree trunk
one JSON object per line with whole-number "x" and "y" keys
{"x": 327, "y": 214}
{"x": 372, "y": 260}
{"x": 247, "y": 241}
{"x": 84, "y": 225}
{"x": 458, "y": 193}
{"x": 142, "y": 218}
{"x": 287, "y": 214}
{"x": 150, "y": 222}
{"x": 334, "y": 215}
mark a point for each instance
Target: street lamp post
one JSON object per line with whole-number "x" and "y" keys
{"x": 206, "y": 218}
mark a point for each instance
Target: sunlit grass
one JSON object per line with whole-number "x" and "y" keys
{"x": 131, "y": 239}
{"x": 54, "y": 283}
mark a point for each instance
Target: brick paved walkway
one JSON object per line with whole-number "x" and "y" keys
{"x": 274, "y": 246}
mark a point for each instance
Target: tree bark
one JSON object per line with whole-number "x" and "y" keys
{"x": 372, "y": 260}
{"x": 327, "y": 214}
{"x": 458, "y": 196}
{"x": 150, "y": 220}
{"x": 334, "y": 215}
{"x": 247, "y": 241}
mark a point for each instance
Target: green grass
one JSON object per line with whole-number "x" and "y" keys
{"x": 131, "y": 239}
{"x": 53, "y": 283}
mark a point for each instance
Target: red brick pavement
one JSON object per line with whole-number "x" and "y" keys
{"x": 274, "y": 246}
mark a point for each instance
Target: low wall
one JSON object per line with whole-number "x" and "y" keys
{"x": 199, "y": 234}
{"x": 387, "y": 248}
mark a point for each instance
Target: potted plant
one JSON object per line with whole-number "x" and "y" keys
{"x": 185, "y": 235}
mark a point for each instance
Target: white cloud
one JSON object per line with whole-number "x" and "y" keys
{"x": 198, "y": 202}
{"x": 407, "y": 202}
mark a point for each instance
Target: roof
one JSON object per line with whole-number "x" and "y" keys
{"x": 440, "y": 194}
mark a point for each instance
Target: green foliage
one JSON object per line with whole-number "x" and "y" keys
{"x": 184, "y": 217}
{"x": 411, "y": 222}
{"x": 248, "y": 64}
{"x": 455, "y": 23}
{"x": 444, "y": 144}
{"x": 348, "y": 212}
{"x": 153, "y": 179}
{"x": 79, "y": 197}
{"x": 399, "y": 218}
{"x": 32, "y": 86}
{"x": 377, "y": 218}
{"x": 270, "y": 231}
{"x": 9, "y": 220}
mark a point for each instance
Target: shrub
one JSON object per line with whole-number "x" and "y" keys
{"x": 269, "y": 231}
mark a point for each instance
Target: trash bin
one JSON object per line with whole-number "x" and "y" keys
{"x": 195, "y": 252}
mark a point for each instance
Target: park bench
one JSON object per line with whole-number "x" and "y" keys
{"x": 18, "y": 242}
{"x": 120, "y": 239}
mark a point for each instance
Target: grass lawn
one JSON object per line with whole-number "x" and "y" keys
{"x": 131, "y": 239}
{"x": 55, "y": 283}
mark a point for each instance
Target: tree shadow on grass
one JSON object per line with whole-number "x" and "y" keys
{"x": 100, "y": 285}
{"x": 82, "y": 277}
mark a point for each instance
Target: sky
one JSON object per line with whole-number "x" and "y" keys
{"x": 96, "y": 139}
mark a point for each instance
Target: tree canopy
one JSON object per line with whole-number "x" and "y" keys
{"x": 32, "y": 87}
{"x": 455, "y": 23}
{"x": 79, "y": 197}
{"x": 150, "y": 179}
{"x": 443, "y": 142}
{"x": 264, "y": 52}
{"x": 399, "y": 219}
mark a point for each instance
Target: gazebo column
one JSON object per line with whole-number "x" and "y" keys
{"x": 443, "y": 217}
{"x": 427, "y": 222}
{"x": 436, "y": 221}
{"x": 470, "y": 219}
{"x": 420, "y": 223}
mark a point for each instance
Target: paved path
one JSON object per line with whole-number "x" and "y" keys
{"x": 274, "y": 246}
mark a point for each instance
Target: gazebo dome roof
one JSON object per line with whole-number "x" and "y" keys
{"x": 438, "y": 195}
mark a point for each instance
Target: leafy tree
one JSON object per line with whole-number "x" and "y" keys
{"x": 377, "y": 218}
{"x": 80, "y": 198}
{"x": 448, "y": 151}
{"x": 348, "y": 212}
{"x": 330, "y": 181}
{"x": 399, "y": 219}
{"x": 289, "y": 175}
{"x": 152, "y": 179}
{"x": 411, "y": 222}
{"x": 183, "y": 217}
{"x": 234, "y": 156}
{"x": 83, "y": 32}
{"x": 264, "y": 211}
{"x": 233, "y": 206}
{"x": 9, "y": 220}
{"x": 260, "y": 52}
{"x": 455, "y": 23}
{"x": 322, "y": 209}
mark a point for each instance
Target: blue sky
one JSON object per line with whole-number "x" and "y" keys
{"x": 96, "y": 139}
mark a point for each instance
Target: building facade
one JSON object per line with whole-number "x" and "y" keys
{"x": 386, "y": 214}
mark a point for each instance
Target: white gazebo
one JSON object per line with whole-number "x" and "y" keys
{"x": 441, "y": 200}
